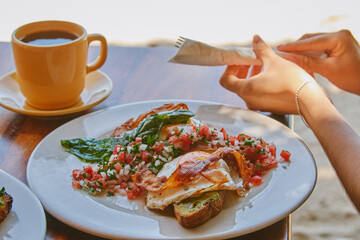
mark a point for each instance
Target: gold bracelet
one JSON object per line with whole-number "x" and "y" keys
{"x": 297, "y": 100}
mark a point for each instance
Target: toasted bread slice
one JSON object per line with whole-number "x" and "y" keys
{"x": 5, "y": 205}
{"x": 196, "y": 210}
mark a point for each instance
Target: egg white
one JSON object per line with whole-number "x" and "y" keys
{"x": 161, "y": 199}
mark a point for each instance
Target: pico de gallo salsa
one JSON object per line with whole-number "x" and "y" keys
{"x": 113, "y": 175}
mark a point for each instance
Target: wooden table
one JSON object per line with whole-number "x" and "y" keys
{"x": 138, "y": 74}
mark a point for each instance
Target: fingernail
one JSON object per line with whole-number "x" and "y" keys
{"x": 257, "y": 39}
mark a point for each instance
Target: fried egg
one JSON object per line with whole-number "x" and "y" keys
{"x": 215, "y": 177}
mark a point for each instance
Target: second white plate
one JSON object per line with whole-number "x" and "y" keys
{"x": 26, "y": 220}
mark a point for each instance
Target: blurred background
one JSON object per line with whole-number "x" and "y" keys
{"x": 140, "y": 22}
{"x": 328, "y": 214}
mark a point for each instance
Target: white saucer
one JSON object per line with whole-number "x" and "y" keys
{"x": 98, "y": 87}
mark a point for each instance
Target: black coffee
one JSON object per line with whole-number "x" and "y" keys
{"x": 47, "y": 38}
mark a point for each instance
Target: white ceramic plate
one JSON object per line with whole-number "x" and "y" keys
{"x": 26, "y": 220}
{"x": 284, "y": 189}
{"x": 97, "y": 88}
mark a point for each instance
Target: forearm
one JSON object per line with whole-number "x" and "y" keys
{"x": 340, "y": 142}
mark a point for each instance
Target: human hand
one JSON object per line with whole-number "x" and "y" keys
{"x": 274, "y": 88}
{"x": 342, "y": 64}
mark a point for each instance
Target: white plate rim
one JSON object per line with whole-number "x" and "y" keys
{"x": 101, "y": 233}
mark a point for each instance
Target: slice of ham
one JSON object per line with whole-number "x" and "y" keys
{"x": 188, "y": 168}
{"x": 131, "y": 123}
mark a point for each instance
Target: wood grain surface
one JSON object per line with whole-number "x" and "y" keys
{"x": 138, "y": 74}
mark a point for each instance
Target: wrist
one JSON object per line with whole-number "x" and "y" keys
{"x": 313, "y": 103}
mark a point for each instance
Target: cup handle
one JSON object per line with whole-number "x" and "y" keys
{"x": 103, "y": 51}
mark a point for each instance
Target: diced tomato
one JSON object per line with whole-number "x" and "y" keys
{"x": 96, "y": 177}
{"x": 174, "y": 140}
{"x": 255, "y": 180}
{"x": 224, "y": 133}
{"x": 285, "y": 155}
{"x": 272, "y": 150}
{"x": 194, "y": 128}
{"x": 232, "y": 140}
{"x": 145, "y": 156}
{"x": 116, "y": 149}
{"x": 88, "y": 169}
{"x": 129, "y": 194}
{"x": 137, "y": 140}
{"x": 129, "y": 159}
{"x": 258, "y": 172}
{"x": 204, "y": 131}
{"x": 123, "y": 185}
{"x": 133, "y": 191}
{"x": 76, "y": 184}
{"x": 251, "y": 166}
{"x": 273, "y": 164}
{"x": 240, "y": 137}
{"x": 103, "y": 183}
{"x": 117, "y": 166}
{"x": 121, "y": 157}
{"x": 159, "y": 146}
{"x": 249, "y": 152}
{"x": 77, "y": 174}
{"x": 186, "y": 140}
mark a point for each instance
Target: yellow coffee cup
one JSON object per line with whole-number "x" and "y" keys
{"x": 51, "y": 62}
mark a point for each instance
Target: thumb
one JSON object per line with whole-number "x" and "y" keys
{"x": 262, "y": 50}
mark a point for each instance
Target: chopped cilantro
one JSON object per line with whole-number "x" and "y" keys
{"x": 178, "y": 134}
{"x": 98, "y": 183}
{"x": 262, "y": 151}
{"x": 249, "y": 142}
{"x": 135, "y": 148}
{"x": 2, "y": 192}
{"x": 112, "y": 175}
{"x": 133, "y": 168}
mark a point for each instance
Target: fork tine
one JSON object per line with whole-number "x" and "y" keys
{"x": 181, "y": 39}
{"x": 180, "y": 42}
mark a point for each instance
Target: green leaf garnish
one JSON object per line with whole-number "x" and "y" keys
{"x": 93, "y": 151}
{"x": 2, "y": 192}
